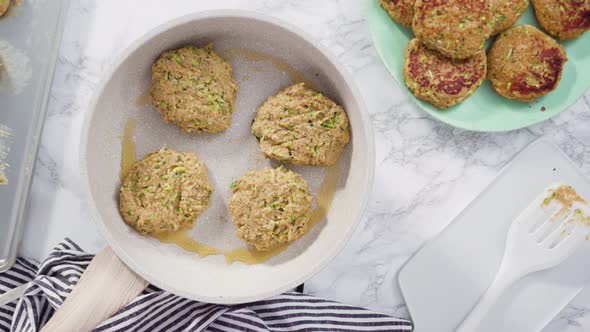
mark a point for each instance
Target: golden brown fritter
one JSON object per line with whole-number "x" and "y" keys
{"x": 457, "y": 29}
{"x": 194, "y": 88}
{"x": 165, "y": 191}
{"x": 270, "y": 207}
{"x": 301, "y": 126}
{"x": 506, "y": 12}
{"x": 524, "y": 63}
{"x": 439, "y": 80}
{"x": 564, "y": 19}
{"x": 401, "y": 11}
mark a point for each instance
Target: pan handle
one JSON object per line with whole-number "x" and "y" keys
{"x": 105, "y": 287}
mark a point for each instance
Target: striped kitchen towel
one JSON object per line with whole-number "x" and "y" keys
{"x": 47, "y": 285}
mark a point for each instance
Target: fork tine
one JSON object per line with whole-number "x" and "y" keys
{"x": 550, "y": 225}
{"x": 563, "y": 233}
{"x": 539, "y": 217}
{"x": 567, "y": 231}
{"x": 573, "y": 241}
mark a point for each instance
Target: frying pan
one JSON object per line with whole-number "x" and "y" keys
{"x": 266, "y": 55}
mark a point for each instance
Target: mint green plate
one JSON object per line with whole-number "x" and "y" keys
{"x": 487, "y": 111}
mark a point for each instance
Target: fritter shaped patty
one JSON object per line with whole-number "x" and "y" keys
{"x": 165, "y": 191}
{"x": 301, "y": 126}
{"x": 401, "y": 11}
{"x": 564, "y": 19}
{"x": 270, "y": 207}
{"x": 439, "y": 80}
{"x": 194, "y": 88}
{"x": 524, "y": 63}
{"x": 457, "y": 29}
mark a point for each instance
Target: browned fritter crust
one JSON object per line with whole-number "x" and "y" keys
{"x": 401, "y": 11}
{"x": 564, "y": 19}
{"x": 524, "y": 63}
{"x": 457, "y": 29}
{"x": 506, "y": 13}
{"x": 439, "y": 80}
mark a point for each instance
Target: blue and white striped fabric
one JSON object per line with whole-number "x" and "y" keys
{"x": 157, "y": 310}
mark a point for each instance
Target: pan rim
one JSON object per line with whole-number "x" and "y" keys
{"x": 320, "y": 264}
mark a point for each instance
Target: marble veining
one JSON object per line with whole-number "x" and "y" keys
{"x": 427, "y": 171}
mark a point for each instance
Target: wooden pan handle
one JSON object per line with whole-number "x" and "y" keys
{"x": 105, "y": 287}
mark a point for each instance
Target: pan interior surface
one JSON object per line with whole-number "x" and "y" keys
{"x": 266, "y": 56}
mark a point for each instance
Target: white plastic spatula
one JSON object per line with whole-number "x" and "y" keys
{"x": 544, "y": 234}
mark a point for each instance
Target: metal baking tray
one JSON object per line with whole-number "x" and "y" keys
{"x": 30, "y": 35}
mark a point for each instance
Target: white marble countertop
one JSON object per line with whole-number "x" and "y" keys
{"x": 423, "y": 169}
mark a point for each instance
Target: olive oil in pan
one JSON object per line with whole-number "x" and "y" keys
{"x": 128, "y": 148}
{"x": 144, "y": 99}
{"x": 251, "y": 55}
{"x": 246, "y": 255}
{"x": 325, "y": 194}
{"x": 183, "y": 239}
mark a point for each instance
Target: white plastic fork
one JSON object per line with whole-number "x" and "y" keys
{"x": 541, "y": 237}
